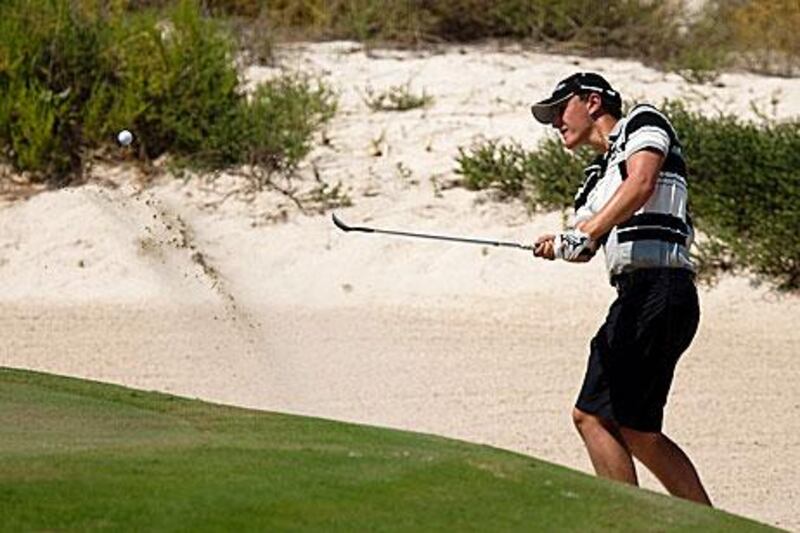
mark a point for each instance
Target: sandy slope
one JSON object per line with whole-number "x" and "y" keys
{"x": 155, "y": 289}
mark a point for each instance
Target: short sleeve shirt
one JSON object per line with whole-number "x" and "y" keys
{"x": 659, "y": 234}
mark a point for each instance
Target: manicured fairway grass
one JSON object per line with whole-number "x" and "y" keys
{"x": 78, "y": 455}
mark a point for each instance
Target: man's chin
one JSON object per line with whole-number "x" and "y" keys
{"x": 572, "y": 142}
{"x": 569, "y": 144}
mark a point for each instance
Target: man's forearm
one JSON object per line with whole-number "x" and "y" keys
{"x": 643, "y": 171}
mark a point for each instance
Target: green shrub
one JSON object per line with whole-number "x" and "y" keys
{"x": 281, "y": 117}
{"x": 29, "y": 118}
{"x": 493, "y": 165}
{"x": 72, "y": 74}
{"x": 179, "y": 87}
{"x": 558, "y": 173}
{"x": 743, "y": 177}
{"x": 396, "y": 98}
{"x": 51, "y": 59}
{"x": 745, "y": 192}
{"x": 546, "y": 178}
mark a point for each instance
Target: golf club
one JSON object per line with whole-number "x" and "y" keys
{"x": 344, "y": 227}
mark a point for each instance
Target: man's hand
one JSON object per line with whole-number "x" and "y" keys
{"x": 543, "y": 247}
{"x": 573, "y": 245}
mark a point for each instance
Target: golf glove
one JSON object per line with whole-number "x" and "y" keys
{"x": 573, "y": 245}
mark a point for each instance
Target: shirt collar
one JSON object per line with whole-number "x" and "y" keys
{"x": 615, "y": 131}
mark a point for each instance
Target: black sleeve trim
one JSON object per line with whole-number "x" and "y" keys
{"x": 649, "y": 118}
{"x": 674, "y": 164}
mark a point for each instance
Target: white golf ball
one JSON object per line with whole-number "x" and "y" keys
{"x": 125, "y": 137}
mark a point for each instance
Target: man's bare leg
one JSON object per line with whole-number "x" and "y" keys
{"x": 608, "y": 452}
{"x": 668, "y": 463}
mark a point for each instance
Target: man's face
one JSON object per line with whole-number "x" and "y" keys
{"x": 574, "y": 121}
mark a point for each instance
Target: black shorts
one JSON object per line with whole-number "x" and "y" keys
{"x": 633, "y": 355}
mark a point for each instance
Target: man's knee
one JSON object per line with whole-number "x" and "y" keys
{"x": 585, "y": 421}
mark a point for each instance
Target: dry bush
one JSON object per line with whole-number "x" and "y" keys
{"x": 766, "y": 34}
{"x": 760, "y": 35}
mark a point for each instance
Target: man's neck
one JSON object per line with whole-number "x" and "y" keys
{"x": 603, "y": 126}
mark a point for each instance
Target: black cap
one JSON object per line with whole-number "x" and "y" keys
{"x": 578, "y": 83}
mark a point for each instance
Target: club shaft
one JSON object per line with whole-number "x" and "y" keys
{"x": 364, "y": 229}
{"x": 452, "y": 239}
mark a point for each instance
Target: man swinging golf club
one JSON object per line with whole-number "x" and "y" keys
{"x": 633, "y": 204}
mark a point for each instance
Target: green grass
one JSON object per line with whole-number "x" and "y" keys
{"x": 77, "y": 455}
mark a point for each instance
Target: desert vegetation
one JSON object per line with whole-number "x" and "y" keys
{"x": 699, "y": 43}
{"x": 72, "y": 74}
{"x": 396, "y": 98}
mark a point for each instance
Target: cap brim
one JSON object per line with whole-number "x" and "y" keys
{"x": 545, "y": 111}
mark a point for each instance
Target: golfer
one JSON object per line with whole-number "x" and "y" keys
{"x": 632, "y": 204}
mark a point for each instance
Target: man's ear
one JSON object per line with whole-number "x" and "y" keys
{"x": 595, "y": 106}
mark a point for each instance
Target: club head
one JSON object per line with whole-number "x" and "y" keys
{"x": 339, "y": 224}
